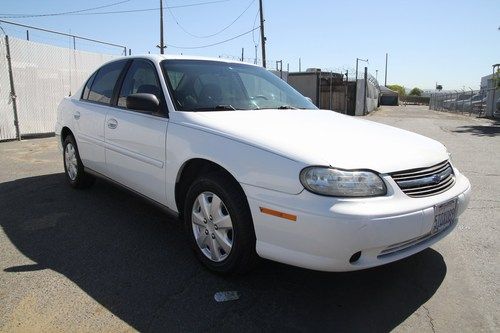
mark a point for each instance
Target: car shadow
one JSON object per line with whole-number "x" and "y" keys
{"x": 131, "y": 258}
{"x": 480, "y": 130}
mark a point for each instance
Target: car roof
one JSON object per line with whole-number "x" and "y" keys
{"x": 160, "y": 57}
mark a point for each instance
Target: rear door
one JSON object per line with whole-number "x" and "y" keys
{"x": 90, "y": 114}
{"x": 135, "y": 140}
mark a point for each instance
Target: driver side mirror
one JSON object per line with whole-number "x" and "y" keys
{"x": 143, "y": 102}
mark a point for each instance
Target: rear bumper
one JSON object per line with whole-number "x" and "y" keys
{"x": 328, "y": 231}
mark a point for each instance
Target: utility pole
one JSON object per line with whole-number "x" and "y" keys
{"x": 262, "y": 36}
{"x": 385, "y": 81}
{"x": 162, "y": 44}
{"x": 376, "y": 75}
{"x": 242, "y": 53}
{"x": 300, "y": 66}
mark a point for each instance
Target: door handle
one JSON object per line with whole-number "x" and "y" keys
{"x": 76, "y": 115}
{"x": 112, "y": 123}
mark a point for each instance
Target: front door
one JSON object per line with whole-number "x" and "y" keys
{"x": 135, "y": 140}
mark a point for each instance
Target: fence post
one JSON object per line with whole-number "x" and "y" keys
{"x": 331, "y": 79}
{"x": 365, "y": 111}
{"x": 346, "y": 90}
{"x": 12, "y": 89}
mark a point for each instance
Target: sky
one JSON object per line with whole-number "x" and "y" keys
{"x": 452, "y": 43}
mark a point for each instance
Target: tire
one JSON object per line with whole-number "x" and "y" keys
{"x": 73, "y": 166}
{"x": 210, "y": 227}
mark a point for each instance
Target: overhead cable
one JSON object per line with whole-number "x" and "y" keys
{"x": 213, "y": 44}
{"x": 63, "y": 13}
{"x": 210, "y": 35}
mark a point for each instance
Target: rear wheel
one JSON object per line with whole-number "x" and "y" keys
{"x": 73, "y": 166}
{"x": 219, "y": 224}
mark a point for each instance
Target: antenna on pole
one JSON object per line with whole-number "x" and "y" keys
{"x": 262, "y": 37}
{"x": 162, "y": 44}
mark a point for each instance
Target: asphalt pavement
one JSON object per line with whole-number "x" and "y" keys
{"x": 105, "y": 260}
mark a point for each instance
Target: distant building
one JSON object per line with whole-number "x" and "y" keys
{"x": 388, "y": 96}
{"x": 332, "y": 91}
{"x": 492, "y": 95}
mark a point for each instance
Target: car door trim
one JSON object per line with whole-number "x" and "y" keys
{"x": 137, "y": 156}
{"x": 85, "y": 137}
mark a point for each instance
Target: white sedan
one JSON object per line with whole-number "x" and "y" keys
{"x": 255, "y": 169}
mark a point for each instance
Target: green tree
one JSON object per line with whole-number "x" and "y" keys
{"x": 416, "y": 92}
{"x": 397, "y": 88}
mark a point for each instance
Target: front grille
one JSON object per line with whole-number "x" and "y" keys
{"x": 425, "y": 182}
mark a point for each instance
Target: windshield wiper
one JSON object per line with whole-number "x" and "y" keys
{"x": 281, "y": 107}
{"x": 220, "y": 107}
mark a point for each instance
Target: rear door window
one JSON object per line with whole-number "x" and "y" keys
{"x": 104, "y": 83}
{"x": 86, "y": 91}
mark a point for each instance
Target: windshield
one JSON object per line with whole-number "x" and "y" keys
{"x": 200, "y": 85}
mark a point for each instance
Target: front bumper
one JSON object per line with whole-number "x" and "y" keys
{"x": 328, "y": 231}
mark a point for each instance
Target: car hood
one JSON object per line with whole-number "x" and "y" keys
{"x": 321, "y": 137}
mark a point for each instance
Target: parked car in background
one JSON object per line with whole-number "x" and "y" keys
{"x": 478, "y": 102}
{"x": 447, "y": 103}
{"x": 462, "y": 102}
{"x": 255, "y": 169}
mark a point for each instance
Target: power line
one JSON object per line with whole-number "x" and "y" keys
{"x": 253, "y": 32}
{"x": 63, "y": 13}
{"x": 214, "y": 34}
{"x": 213, "y": 44}
{"x": 132, "y": 10}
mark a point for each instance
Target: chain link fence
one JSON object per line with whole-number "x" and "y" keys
{"x": 34, "y": 77}
{"x": 468, "y": 102}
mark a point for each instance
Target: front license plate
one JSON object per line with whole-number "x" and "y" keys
{"x": 444, "y": 215}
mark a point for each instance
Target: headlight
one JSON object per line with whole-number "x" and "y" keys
{"x": 341, "y": 183}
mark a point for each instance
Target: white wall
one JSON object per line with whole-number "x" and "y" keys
{"x": 371, "y": 97}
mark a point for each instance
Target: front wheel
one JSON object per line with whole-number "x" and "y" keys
{"x": 219, "y": 224}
